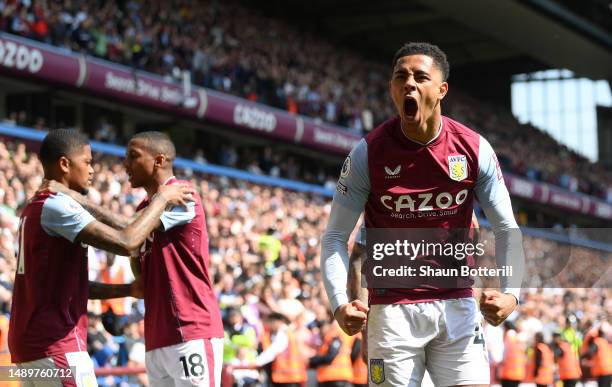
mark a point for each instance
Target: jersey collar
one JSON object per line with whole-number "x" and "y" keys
{"x": 413, "y": 143}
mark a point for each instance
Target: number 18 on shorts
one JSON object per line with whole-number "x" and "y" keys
{"x": 192, "y": 363}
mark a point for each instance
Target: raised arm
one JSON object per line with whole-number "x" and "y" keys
{"x": 102, "y": 214}
{"x": 128, "y": 240}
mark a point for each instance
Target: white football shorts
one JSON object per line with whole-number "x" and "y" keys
{"x": 192, "y": 363}
{"x": 444, "y": 337}
{"x": 67, "y": 370}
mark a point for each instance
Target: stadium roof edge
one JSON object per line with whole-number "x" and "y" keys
{"x": 549, "y": 41}
{"x": 573, "y": 20}
{"x": 489, "y": 38}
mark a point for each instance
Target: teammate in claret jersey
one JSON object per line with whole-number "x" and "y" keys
{"x": 423, "y": 170}
{"x": 183, "y": 328}
{"x": 48, "y": 325}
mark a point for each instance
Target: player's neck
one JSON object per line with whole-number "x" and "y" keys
{"x": 64, "y": 181}
{"x": 423, "y": 133}
{"x": 57, "y": 176}
{"x": 158, "y": 180}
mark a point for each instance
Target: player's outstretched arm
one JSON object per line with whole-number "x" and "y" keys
{"x": 101, "y": 291}
{"x": 127, "y": 241}
{"x": 101, "y": 214}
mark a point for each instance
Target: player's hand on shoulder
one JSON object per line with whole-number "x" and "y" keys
{"x": 352, "y": 317}
{"x": 50, "y": 185}
{"x": 496, "y": 306}
{"x": 176, "y": 194}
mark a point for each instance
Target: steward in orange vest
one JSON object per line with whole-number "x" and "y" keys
{"x": 360, "y": 368}
{"x": 333, "y": 362}
{"x": 541, "y": 365}
{"x": 282, "y": 352}
{"x": 600, "y": 353}
{"x": 512, "y": 368}
{"x": 568, "y": 362}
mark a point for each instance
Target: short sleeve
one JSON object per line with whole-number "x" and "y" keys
{"x": 63, "y": 216}
{"x": 178, "y": 216}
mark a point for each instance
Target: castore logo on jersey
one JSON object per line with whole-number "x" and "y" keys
{"x": 393, "y": 173}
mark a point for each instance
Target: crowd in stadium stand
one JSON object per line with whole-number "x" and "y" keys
{"x": 529, "y": 152}
{"x": 269, "y": 61}
{"x": 264, "y": 253}
{"x": 260, "y": 160}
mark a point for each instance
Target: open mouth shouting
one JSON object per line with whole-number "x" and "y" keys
{"x": 411, "y": 108}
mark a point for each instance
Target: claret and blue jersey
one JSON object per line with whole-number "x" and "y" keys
{"x": 179, "y": 298}
{"x": 51, "y": 284}
{"x": 399, "y": 183}
{"x": 406, "y": 184}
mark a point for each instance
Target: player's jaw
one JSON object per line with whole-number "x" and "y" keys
{"x": 418, "y": 108}
{"x": 140, "y": 172}
{"x": 138, "y": 164}
{"x": 133, "y": 177}
{"x": 80, "y": 172}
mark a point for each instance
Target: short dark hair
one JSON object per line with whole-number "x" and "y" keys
{"x": 60, "y": 142}
{"x": 158, "y": 142}
{"x": 423, "y": 48}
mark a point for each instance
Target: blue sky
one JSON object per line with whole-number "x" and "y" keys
{"x": 563, "y": 105}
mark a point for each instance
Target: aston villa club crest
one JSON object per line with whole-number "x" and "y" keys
{"x": 457, "y": 167}
{"x": 377, "y": 371}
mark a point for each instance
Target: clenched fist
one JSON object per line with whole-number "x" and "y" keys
{"x": 352, "y": 317}
{"x": 496, "y": 306}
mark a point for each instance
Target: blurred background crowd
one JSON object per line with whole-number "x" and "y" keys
{"x": 269, "y": 61}
{"x": 264, "y": 240}
{"x": 264, "y": 252}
